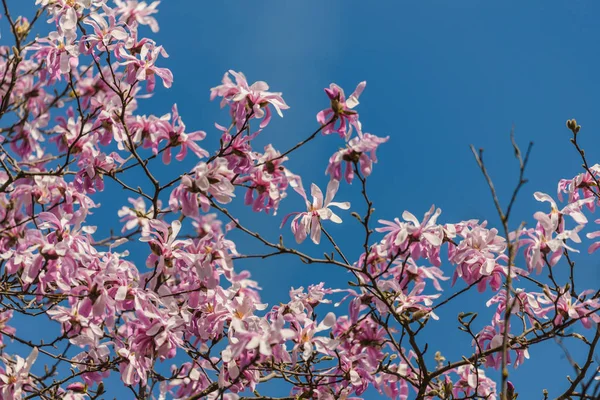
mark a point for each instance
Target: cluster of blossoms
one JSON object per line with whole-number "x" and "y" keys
{"x": 71, "y": 98}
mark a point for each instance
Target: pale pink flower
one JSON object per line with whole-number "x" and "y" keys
{"x": 134, "y": 368}
{"x": 267, "y": 181}
{"x": 522, "y": 303}
{"x": 155, "y": 334}
{"x": 413, "y": 301}
{"x": 174, "y": 134}
{"x": 65, "y": 12}
{"x": 105, "y": 33}
{"x": 478, "y": 255}
{"x": 144, "y": 68}
{"x": 208, "y": 179}
{"x": 136, "y": 216}
{"x": 5, "y": 329}
{"x": 166, "y": 248}
{"x": 423, "y": 239}
{"x": 550, "y": 235}
{"x": 490, "y": 337}
{"x": 309, "y": 222}
{"x": 473, "y": 382}
{"x": 60, "y": 53}
{"x": 94, "y": 164}
{"x": 132, "y": 11}
{"x": 359, "y": 150}
{"x": 543, "y": 241}
{"x": 341, "y": 110}
{"x": 566, "y": 307}
{"x": 244, "y": 98}
{"x": 581, "y": 187}
{"x": 15, "y": 379}
{"x": 305, "y": 336}
{"x": 593, "y": 235}
{"x": 572, "y": 209}
{"x": 93, "y": 356}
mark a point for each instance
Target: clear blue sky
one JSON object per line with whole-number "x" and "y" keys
{"x": 440, "y": 75}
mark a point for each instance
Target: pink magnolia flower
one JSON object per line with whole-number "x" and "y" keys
{"x": 175, "y": 134}
{"x": 305, "y": 336}
{"x": 65, "y": 12}
{"x": 27, "y": 88}
{"x": 267, "y": 181}
{"x": 188, "y": 381}
{"x": 264, "y": 337}
{"x": 593, "y": 235}
{"x": 60, "y": 53}
{"x": 244, "y": 99}
{"x": 93, "y": 356}
{"x": 550, "y": 236}
{"x": 210, "y": 255}
{"x": 581, "y": 187}
{"x": 239, "y": 151}
{"x": 478, "y": 256}
{"x": 54, "y": 249}
{"x": 414, "y": 302}
{"x": 361, "y": 341}
{"x": 341, "y": 110}
{"x": 423, "y": 239}
{"x": 94, "y": 164}
{"x": 166, "y": 249}
{"x": 491, "y": 337}
{"x": 68, "y": 129}
{"x": 263, "y": 192}
{"x": 573, "y": 210}
{"x": 304, "y": 302}
{"x": 29, "y": 137}
{"x": 407, "y": 271}
{"x": 155, "y": 334}
{"x": 135, "y": 367}
{"x": 133, "y": 44}
{"x": 5, "y": 329}
{"x": 359, "y": 150}
{"x": 567, "y": 307}
{"x": 78, "y": 327}
{"x": 144, "y": 68}
{"x": 473, "y": 382}
{"x": 132, "y": 11}
{"x": 104, "y": 33}
{"x": 15, "y": 378}
{"x": 212, "y": 179}
{"x": 522, "y": 302}
{"x": 137, "y": 215}
{"x": 543, "y": 241}
{"x": 146, "y": 130}
{"x": 309, "y": 222}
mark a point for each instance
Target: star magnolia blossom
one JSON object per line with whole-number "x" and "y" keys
{"x": 359, "y": 150}
{"x": 247, "y": 99}
{"x": 15, "y": 377}
{"x": 341, "y": 111}
{"x": 594, "y": 235}
{"x": 309, "y": 222}
{"x": 133, "y": 11}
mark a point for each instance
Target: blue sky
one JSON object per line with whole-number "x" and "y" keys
{"x": 440, "y": 76}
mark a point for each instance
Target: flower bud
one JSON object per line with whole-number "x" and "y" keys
{"x": 77, "y": 387}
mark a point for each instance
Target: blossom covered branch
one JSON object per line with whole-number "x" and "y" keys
{"x": 182, "y": 319}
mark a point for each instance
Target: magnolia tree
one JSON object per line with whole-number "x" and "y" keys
{"x": 188, "y": 323}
